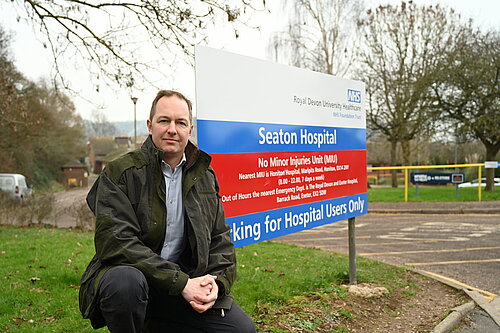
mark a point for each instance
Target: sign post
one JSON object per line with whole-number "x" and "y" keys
{"x": 351, "y": 226}
{"x": 288, "y": 145}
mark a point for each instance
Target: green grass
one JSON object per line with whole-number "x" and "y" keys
{"x": 272, "y": 273}
{"x": 428, "y": 193}
{"x": 40, "y": 271}
{"x": 41, "y": 267}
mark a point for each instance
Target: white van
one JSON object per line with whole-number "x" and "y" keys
{"x": 15, "y": 185}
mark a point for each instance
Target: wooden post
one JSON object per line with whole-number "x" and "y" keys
{"x": 352, "y": 251}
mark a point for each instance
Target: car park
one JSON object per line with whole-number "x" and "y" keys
{"x": 15, "y": 185}
{"x": 475, "y": 182}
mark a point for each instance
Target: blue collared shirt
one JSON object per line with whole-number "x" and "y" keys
{"x": 174, "y": 231}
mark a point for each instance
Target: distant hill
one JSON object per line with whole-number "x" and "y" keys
{"x": 116, "y": 128}
{"x": 127, "y": 128}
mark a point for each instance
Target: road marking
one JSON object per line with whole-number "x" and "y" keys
{"x": 489, "y": 296}
{"x": 401, "y": 236}
{"x": 450, "y": 262}
{"x": 431, "y": 251}
{"x": 445, "y": 230}
{"x": 358, "y": 245}
{"x": 396, "y": 243}
{"x": 302, "y": 239}
{"x": 288, "y": 238}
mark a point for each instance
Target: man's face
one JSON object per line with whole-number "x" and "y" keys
{"x": 171, "y": 128}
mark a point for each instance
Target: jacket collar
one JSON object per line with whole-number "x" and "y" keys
{"x": 193, "y": 153}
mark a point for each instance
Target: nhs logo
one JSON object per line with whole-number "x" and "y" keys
{"x": 353, "y": 96}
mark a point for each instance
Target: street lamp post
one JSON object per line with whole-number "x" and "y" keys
{"x": 134, "y": 99}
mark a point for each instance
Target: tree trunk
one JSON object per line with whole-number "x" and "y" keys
{"x": 394, "y": 175}
{"x": 405, "y": 147}
{"x": 491, "y": 153}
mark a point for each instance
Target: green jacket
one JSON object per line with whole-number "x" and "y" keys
{"x": 128, "y": 200}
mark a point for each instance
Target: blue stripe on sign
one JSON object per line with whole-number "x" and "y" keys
{"x": 219, "y": 137}
{"x": 258, "y": 227}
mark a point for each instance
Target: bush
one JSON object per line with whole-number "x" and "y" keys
{"x": 85, "y": 219}
{"x": 25, "y": 212}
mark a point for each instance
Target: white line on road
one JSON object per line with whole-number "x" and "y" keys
{"x": 431, "y": 251}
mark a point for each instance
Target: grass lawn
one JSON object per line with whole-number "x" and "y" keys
{"x": 429, "y": 193}
{"x": 41, "y": 267}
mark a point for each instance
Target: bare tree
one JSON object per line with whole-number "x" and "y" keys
{"x": 404, "y": 47}
{"x": 321, "y": 35}
{"x": 124, "y": 40}
{"x": 99, "y": 125}
{"x": 468, "y": 89}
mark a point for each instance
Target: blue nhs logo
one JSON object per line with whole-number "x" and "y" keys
{"x": 353, "y": 96}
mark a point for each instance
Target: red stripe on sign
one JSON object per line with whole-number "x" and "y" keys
{"x": 255, "y": 182}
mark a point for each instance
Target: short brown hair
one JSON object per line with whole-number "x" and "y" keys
{"x": 170, "y": 93}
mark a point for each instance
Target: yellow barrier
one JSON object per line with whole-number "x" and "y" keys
{"x": 450, "y": 166}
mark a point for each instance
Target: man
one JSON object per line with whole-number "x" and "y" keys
{"x": 164, "y": 259}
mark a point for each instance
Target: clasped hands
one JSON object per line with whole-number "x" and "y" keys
{"x": 201, "y": 292}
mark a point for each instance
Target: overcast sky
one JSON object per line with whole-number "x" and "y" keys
{"x": 35, "y": 62}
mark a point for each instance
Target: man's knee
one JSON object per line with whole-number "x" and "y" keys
{"x": 245, "y": 323}
{"x": 234, "y": 320}
{"x": 123, "y": 299}
{"x": 124, "y": 285}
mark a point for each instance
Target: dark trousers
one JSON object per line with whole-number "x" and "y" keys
{"x": 128, "y": 304}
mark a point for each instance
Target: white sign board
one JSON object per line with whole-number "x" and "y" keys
{"x": 491, "y": 164}
{"x": 288, "y": 145}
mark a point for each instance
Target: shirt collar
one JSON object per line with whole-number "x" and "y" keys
{"x": 165, "y": 166}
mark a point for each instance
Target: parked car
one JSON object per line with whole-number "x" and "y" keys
{"x": 483, "y": 183}
{"x": 15, "y": 185}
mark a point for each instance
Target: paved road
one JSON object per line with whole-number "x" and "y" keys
{"x": 68, "y": 207}
{"x": 463, "y": 247}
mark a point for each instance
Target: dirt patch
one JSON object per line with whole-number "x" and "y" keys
{"x": 417, "y": 307}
